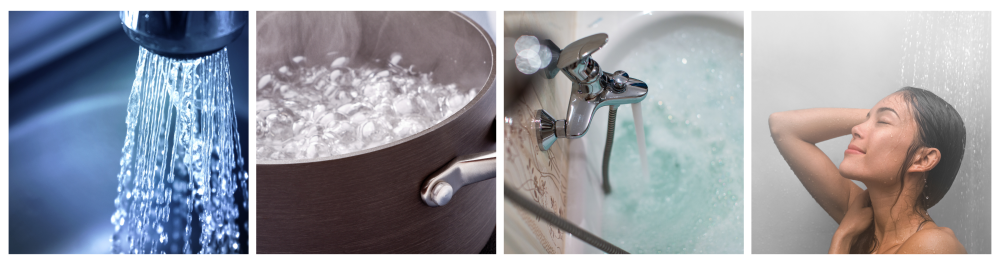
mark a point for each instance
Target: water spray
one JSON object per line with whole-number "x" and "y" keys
{"x": 182, "y": 175}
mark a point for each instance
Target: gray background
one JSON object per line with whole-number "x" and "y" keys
{"x": 852, "y": 60}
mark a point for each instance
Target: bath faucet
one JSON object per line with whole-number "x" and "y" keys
{"x": 592, "y": 89}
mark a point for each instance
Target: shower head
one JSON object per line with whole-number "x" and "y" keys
{"x": 183, "y": 34}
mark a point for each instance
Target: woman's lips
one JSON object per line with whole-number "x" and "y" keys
{"x": 854, "y": 149}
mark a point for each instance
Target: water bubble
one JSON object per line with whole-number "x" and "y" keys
{"x": 339, "y": 62}
{"x": 395, "y": 58}
{"x": 264, "y": 81}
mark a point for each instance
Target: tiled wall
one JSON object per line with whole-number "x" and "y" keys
{"x": 540, "y": 175}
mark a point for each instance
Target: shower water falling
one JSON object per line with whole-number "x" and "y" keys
{"x": 948, "y": 53}
{"x": 181, "y": 168}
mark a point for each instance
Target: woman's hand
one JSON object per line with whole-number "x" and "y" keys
{"x": 858, "y": 218}
{"x": 859, "y": 215}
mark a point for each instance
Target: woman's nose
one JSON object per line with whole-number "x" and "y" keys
{"x": 856, "y": 130}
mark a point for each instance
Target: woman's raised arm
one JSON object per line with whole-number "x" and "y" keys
{"x": 796, "y": 133}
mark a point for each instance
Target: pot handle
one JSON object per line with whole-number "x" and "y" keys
{"x": 463, "y": 170}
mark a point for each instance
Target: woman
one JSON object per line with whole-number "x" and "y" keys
{"x": 906, "y": 149}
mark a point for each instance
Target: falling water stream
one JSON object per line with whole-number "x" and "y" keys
{"x": 181, "y": 169}
{"x": 640, "y": 137}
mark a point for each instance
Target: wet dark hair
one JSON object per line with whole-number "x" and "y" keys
{"x": 940, "y": 127}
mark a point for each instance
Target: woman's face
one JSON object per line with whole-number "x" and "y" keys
{"x": 879, "y": 144}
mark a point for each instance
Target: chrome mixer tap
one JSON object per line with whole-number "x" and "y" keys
{"x": 592, "y": 89}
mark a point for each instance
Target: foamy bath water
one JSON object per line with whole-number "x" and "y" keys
{"x": 692, "y": 201}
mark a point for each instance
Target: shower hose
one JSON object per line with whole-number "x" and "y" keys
{"x": 612, "y": 113}
{"x": 559, "y": 222}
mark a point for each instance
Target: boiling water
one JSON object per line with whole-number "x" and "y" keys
{"x": 181, "y": 167}
{"x": 948, "y": 53}
{"x": 320, "y": 111}
{"x": 693, "y": 200}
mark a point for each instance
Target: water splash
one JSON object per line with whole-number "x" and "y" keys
{"x": 181, "y": 167}
{"x": 948, "y": 53}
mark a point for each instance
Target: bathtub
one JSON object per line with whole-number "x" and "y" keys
{"x": 586, "y": 202}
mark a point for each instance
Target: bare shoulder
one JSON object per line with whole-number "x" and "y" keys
{"x": 932, "y": 240}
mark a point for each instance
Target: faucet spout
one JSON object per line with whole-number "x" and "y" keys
{"x": 617, "y": 89}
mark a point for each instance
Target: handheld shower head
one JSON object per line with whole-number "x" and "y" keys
{"x": 183, "y": 34}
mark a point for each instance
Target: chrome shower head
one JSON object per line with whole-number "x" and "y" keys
{"x": 183, "y": 34}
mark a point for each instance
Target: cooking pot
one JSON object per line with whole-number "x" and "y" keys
{"x": 369, "y": 201}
